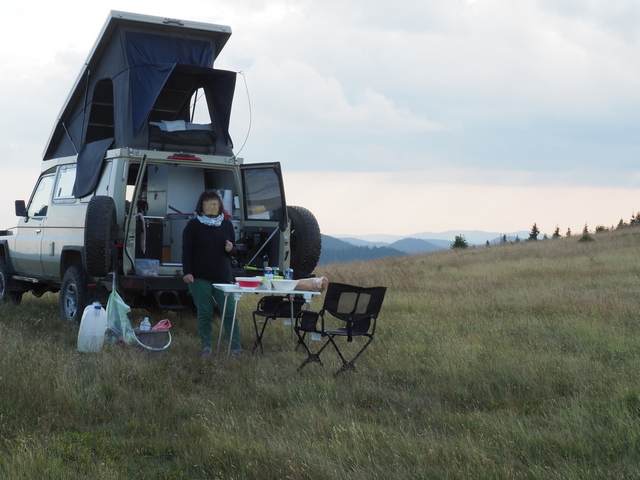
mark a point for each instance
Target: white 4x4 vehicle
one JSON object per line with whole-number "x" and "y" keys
{"x": 123, "y": 170}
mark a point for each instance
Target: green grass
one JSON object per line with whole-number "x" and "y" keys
{"x": 513, "y": 361}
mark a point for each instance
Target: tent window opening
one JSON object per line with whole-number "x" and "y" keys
{"x": 173, "y": 101}
{"x": 101, "y": 117}
{"x": 199, "y": 108}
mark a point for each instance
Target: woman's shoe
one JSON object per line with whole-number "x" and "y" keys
{"x": 206, "y": 352}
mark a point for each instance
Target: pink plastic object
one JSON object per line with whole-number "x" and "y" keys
{"x": 249, "y": 282}
{"x": 162, "y": 325}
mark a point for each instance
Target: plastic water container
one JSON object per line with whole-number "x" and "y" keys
{"x": 92, "y": 328}
{"x": 145, "y": 325}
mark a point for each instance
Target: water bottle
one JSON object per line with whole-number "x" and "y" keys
{"x": 145, "y": 325}
{"x": 92, "y": 328}
{"x": 268, "y": 273}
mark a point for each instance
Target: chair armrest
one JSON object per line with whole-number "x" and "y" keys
{"x": 307, "y": 321}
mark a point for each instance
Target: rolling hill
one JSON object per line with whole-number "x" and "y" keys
{"x": 339, "y": 251}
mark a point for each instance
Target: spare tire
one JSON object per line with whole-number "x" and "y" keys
{"x": 100, "y": 230}
{"x": 306, "y": 241}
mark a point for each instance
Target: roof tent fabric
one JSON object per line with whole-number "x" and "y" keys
{"x": 89, "y": 164}
{"x": 140, "y": 55}
{"x": 219, "y": 87}
{"x": 151, "y": 59}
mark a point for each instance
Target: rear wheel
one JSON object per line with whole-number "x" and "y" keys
{"x": 100, "y": 230}
{"x": 306, "y": 241}
{"x": 72, "y": 294}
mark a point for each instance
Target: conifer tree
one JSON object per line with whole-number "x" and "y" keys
{"x": 535, "y": 231}
{"x": 586, "y": 236}
{"x": 460, "y": 242}
{"x": 556, "y": 232}
{"x": 568, "y": 234}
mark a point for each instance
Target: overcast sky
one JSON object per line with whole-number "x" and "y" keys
{"x": 388, "y": 117}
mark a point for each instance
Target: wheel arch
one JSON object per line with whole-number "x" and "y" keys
{"x": 72, "y": 255}
{"x": 4, "y": 252}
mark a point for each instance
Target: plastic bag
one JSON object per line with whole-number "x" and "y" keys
{"x": 118, "y": 325}
{"x": 162, "y": 326}
{"x": 314, "y": 284}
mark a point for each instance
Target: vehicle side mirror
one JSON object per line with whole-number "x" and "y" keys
{"x": 21, "y": 208}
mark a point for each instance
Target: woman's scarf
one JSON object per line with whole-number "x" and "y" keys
{"x": 211, "y": 222}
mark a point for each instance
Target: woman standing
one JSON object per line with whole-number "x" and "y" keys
{"x": 207, "y": 246}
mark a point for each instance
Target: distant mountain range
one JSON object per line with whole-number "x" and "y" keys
{"x": 474, "y": 237}
{"x": 345, "y": 248}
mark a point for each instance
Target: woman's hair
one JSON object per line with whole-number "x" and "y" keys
{"x": 208, "y": 195}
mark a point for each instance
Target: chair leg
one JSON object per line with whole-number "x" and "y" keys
{"x": 311, "y": 357}
{"x": 259, "y": 335}
{"x": 301, "y": 340}
{"x": 346, "y": 366}
{"x": 350, "y": 365}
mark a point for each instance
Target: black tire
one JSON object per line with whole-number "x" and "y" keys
{"x": 306, "y": 241}
{"x": 73, "y": 294}
{"x": 6, "y": 295}
{"x": 100, "y": 230}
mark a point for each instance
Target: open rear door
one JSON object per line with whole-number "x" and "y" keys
{"x": 264, "y": 210}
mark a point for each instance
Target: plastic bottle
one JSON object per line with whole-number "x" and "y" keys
{"x": 92, "y": 328}
{"x": 268, "y": 273}
{"x": 145, "y": 325}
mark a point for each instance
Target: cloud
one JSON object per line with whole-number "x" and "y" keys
{"x": 302, "y": 96}
{"x": 475, "y": 96}
{"x": 316, "y": 119}
{"x": 506, "y": 84}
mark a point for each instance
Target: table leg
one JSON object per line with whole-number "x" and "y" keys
{"x": 237, "y": 297}
{"x": 224, "y": 311}
{"x": 293, "y": 321}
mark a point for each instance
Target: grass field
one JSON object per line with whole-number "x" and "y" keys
{"x": 509, "y": 362}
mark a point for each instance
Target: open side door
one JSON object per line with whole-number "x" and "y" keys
{"x": 130, "y": 228}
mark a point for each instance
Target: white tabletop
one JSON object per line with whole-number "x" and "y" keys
{"x": 234, "y": 288}
{"x": 238, "y": 292}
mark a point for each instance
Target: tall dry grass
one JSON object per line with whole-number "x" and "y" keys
{"x": 513, "y": 361}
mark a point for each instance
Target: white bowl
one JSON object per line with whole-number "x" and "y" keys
{"x": 284, "y": 284}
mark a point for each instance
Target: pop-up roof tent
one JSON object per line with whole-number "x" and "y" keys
{"x": 138, "y": 85}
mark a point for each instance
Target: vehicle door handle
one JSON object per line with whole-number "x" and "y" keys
{"x": 38, "y": 230}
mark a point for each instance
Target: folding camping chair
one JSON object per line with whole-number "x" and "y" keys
{"x": 272, "y": 307}
{"x": 358, "y": 307}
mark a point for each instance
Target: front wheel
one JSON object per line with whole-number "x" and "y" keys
{"x": 6, "y": 295}
{"x": 72, "y": 294}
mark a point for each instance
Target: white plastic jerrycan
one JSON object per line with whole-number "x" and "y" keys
{"x": 92, "y": 328}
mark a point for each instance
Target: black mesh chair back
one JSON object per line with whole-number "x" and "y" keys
{"x": 271, "y": 307}
{"x": 357, "y": 307}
